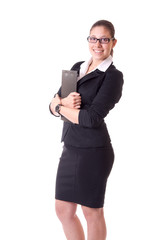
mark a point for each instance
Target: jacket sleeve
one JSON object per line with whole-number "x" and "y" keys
{"x": 108, "y": 95}
{"x": 59, "y": 92}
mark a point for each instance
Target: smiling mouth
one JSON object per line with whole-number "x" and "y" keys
{"x": 97, "y": 51}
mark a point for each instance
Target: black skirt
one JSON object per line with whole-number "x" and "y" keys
{"x": 82, "y": 175}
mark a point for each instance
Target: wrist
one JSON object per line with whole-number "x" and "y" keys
{"x": 52, "y": 110}
{"x": 58, "y": 108}
{"x": 59, "y": 101}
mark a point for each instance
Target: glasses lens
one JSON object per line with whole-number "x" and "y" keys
{"x": 101, "y": 40}
{"x": 105, "y": 40}
{"x": 92, "y": 39}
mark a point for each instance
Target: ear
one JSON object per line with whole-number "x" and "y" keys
{"x": 114, "y": 43}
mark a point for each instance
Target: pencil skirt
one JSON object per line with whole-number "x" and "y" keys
{"x": 82, "y": 175}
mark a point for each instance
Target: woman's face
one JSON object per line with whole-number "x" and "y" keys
{"x": 98, "y": 50}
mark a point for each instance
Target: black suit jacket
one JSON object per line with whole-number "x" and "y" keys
{"x": 100, "y": 91}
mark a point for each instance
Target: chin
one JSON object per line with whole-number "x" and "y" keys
{"x": 99, "y": 58}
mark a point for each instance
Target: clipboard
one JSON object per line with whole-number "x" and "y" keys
{"x": 69, "y": 84}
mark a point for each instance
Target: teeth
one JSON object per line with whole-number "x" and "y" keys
{"x": 97, "y": 51}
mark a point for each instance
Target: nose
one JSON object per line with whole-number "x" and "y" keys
{"x": 98, "y": 43}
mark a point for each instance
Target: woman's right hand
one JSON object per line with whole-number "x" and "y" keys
{"x": 73, "y": 100}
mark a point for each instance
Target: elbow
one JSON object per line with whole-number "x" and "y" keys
{"x": 94, "y": 123}
{"x": 89, "y": 120}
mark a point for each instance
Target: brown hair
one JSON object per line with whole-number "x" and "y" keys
{"x": 108, "y": 25}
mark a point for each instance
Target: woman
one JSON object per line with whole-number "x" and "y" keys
{"x": 87, "y": 156}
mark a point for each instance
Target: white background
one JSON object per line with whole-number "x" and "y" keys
{"x": 39, "y": 39}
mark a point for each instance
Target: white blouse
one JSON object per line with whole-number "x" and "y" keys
{"x": 103, "y": 66}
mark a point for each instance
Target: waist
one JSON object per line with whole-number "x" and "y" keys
{"x": 82, "y": 137}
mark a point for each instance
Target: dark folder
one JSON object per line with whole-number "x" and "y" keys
{"x": 69, "y": 84}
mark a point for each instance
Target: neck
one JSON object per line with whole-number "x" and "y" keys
{"x": 95, "y": 63}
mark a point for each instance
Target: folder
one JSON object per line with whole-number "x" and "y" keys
{"x": 69, "y": 84}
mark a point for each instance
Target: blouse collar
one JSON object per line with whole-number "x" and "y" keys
{"x": 103, "y": 66}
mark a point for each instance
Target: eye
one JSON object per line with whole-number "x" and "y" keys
{"x": 93, "y": 39}
{"x": 105, "y": 40}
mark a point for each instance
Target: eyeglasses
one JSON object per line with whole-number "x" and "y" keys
{"x": 101, "y": 40}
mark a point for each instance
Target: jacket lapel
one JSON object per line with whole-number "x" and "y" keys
{"x": 89, "y": 76}
{"x": 93, "y": 74}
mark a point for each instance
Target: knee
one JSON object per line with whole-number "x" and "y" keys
{"x": 65, "y": 210}
{"x": 92, "y": 214}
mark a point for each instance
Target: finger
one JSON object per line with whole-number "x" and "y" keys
{"x": 77, "y": 98}
{"x": 77, "y": 106}
{"x": 56, "y": 96}
{"x": 78, "y": 103}
{"x": 74, "y": 94}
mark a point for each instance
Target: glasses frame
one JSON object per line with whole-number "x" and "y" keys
{"x": 100, "y": 40}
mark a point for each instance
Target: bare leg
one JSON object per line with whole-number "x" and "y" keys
{"x": 66, "y": 212}
{"x": 95, "y": 223}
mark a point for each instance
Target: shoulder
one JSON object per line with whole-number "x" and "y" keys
{"x": 77, "y": 65}
{"x": 113, "y": 71}
{"x": 114, "y": 74}
{"x": 113, "y": 80}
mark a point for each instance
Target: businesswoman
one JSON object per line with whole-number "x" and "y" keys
{"x": 87, "y": 156}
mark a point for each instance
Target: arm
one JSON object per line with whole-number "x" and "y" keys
{"x": 69, "y": 106}
{"x": 73, "y": 101}
{"x": 106, "y": 98}
{"x": 70, "y": 113}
